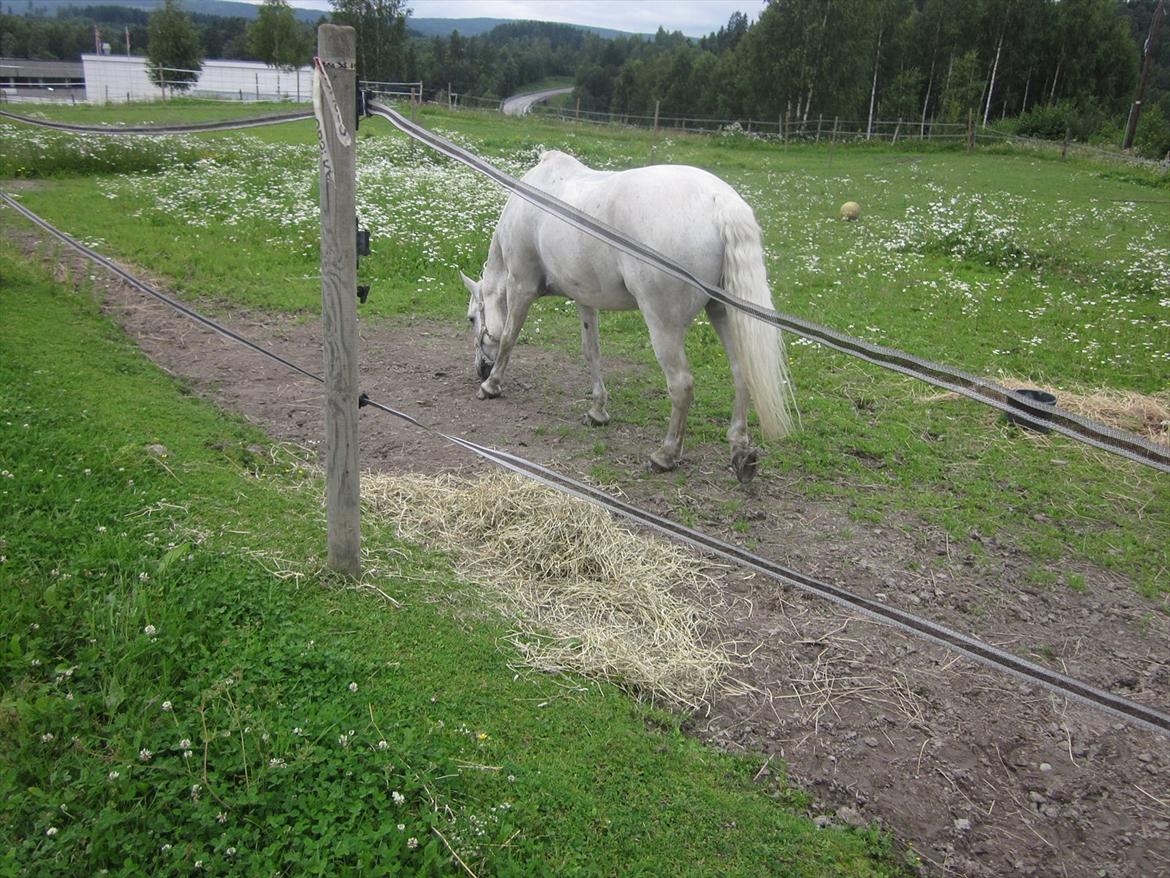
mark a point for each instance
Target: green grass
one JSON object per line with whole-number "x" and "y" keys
{"x": 181, "y": 684}
{"x": 1001, "y": 261}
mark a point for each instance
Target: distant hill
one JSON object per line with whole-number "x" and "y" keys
{"x": 425, "y": 27}
{"x": 473, "y": 27}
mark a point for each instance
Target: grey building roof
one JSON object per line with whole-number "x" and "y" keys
{"x": 23, "y": 67}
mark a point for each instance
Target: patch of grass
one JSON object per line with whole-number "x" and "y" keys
{"x": 182, "y": 687}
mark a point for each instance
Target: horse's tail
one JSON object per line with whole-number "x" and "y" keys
{"x": 760, "y": 345}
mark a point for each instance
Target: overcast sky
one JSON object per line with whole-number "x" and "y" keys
{"x": 695, "y": 18}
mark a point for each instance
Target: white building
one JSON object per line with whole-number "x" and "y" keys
{"x": 112, "y": 79}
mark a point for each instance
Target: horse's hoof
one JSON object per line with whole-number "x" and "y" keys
{"x": 744, "y": 462}
{"x": 486, "y": 392}
{"x": 660, "y": 463}
{"x": 596, "y": 420}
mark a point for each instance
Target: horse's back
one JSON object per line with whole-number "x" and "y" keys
{"x": 672, "y": 208}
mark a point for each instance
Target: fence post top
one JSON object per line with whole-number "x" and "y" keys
{"x": 336, "y": 41}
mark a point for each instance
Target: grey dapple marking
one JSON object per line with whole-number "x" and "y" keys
{"x": 685, "y": 213}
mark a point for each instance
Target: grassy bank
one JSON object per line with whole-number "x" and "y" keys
{"x": 182, "y": 688}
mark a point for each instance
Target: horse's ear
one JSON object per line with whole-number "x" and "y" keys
{"x": 472, "y": 286}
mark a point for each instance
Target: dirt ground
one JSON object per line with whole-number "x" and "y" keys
{"x": 982, "y": 774}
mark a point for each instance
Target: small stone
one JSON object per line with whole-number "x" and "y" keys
{"x": 1145, "y": 757}
{"x": 157, "y": 449}
{"x": 1045, "y": 767}
{"x": 850, "y": 815}
{"x": 823, "y": 820}
{"x": 962, "y": 824}
{"x": 871, "y": 741}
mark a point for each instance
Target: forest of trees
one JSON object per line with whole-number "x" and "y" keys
{"x": 1048, "y": 65}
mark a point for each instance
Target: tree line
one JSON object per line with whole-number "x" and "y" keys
{"x": 1047, "y": 65}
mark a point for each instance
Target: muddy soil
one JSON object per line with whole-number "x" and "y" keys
{"x": 981, "y": 773}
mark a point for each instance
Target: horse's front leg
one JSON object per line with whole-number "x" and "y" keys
{"x": 591, "y": 348}
{"x": 517, "y": 314}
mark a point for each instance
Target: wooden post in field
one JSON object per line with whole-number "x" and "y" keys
{"x": 970, "y": 131}
{"x": 897, "y": 128}
{"x": 1067, "y": 139}
{"x": 578, "y": 119}
{"x": 336, "y": 49}
{"x": 820, "y": 120}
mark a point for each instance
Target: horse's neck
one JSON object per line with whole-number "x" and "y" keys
{"x": 495, "y": 260}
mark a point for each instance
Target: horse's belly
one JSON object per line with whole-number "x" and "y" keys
{"x": 597, "y": 283}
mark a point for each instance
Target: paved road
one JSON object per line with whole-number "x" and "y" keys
{"x": 519, "y": 105}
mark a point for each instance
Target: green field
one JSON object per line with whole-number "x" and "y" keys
{"x": 132, "y": 580}
{"x": 1003, "y": 263}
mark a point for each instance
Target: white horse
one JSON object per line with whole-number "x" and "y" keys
{"x": 682, "y": 212}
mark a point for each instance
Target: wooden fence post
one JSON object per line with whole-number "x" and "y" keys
{"x": 336, "y": 49}
{"x": 970, "y": 131}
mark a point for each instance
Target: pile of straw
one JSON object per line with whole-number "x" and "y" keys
{"x": 1147, "y": 416}
{"x": 586, "y": 594}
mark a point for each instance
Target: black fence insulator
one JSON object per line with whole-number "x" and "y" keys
{"x": 361, "y": 99}
{"x": 363, "y": 400}
{"x": 363, "y": 292}
{"x": 363, "y": 240}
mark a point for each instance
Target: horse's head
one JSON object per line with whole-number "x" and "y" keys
{"x": 485, "y": 314}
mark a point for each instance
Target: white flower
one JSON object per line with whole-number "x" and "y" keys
{"x": 231, "y": 852}
{"x": 412, "y": 842}
{"x": 353, "y": 687}
{"x": 402, "y": 827}
{"x": 149, "y": 630}
{"x": 144, "y": 755}
{"x": 51, "y": 831}
{"x": 113, "y": 775}
{"x": 165, "y": 848}
{"x": 221, "y": 817}
{"x": 187, "y": 754}
{"x": 166, "y": 705}
{"x": 143, "y": 576}
{"x": 397, "y": 797}
{"x": 46, "y": 737}
{"x": 382, "y": 745}
{"x": 185, "y": 744}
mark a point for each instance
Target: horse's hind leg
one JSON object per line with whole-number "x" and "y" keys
{"x": 680, "y": 384}
{"x": 591, "y": 348}
{"x": 744, "y": 458}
